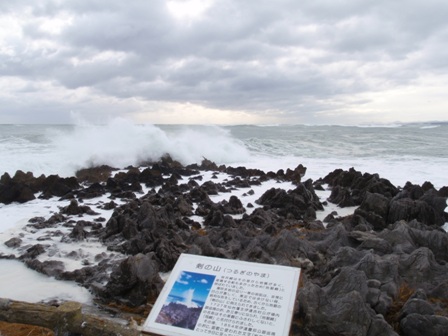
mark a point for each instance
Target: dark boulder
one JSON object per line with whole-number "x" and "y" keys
{"x": 244, "y": 172}
{"x": 424, "y": 325}
{"x": 94, "y": 174}
{"x": 262, "y": 217}
{"x": 426, "y": 205}
{"x": 350, "y": 187}
{"x": 295, "y": 176}
{"x": 434, "y": 239}
{"x": 232, "y": 207}
{"x": 286, "y": 247}
{"x": 33, "y": 251}
{"x": 378, "y": 245}
{"x": 208, "y": 165}
{"x": 217, "y": 219}
{"x": 151, "y": 177}
{"x": 79, "y": 233}
{"x": 183, "y": 206}
{"x": 241, "y": 183}
{"x": 135, "y": 282}
{"x": 331, "y": 240}
{"x": 416, "y": 306}
{"x": 375, "y": 209}
{"x": 58, "y": 186}
{"x": 291, "y": 204}
{"x": 92, "y": 191}
{"x": 52, "y": 268}
{"x": 339, "y": 308}
{"x": 12, "y": 191}
{"x": 210, "y": 188}
{"x": 440, "y": 291}
{"x": 13, "y": 242}
{"x": 75, "y": 209}
{"x": 420, "y": 269}
{"x": 399, "y": 236}
{"x": 342, "y": 178}
{"x": 342, "y": 197}
{"x": 408, "y": 209}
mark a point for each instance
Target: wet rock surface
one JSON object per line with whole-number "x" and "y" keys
{"x": 381, "y": 271}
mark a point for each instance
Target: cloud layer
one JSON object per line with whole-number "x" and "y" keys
{"x": 224, "y": 61}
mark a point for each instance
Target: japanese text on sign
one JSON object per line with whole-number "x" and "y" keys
{"x": 211, "y": 296}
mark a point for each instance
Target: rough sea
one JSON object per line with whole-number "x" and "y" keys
{"x": 399, "y": 152}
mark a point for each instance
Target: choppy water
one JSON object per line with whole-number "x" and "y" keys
{"x": 409, "y": 152}
{"x": 412, "y": 152}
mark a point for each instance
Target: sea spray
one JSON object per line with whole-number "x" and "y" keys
{"x": 63, "y": 149}
{"x": 409, "y": 152}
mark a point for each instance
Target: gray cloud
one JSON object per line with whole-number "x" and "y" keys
{"x": 284, "y": 56}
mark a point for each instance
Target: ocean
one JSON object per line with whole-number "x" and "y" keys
{"x": 398, "y": 152}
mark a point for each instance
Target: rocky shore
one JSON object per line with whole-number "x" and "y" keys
{"x": 379, "y": 271}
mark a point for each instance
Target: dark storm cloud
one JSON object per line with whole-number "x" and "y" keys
{"x": 261, "y": 56}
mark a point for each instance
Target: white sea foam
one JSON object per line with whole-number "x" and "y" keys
{"x": 395, "y": 154}
{"x": 119, "y": 143}
{"x": 23, "y": 284}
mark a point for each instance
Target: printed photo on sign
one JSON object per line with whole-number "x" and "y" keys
{"x": 186, "y": 299}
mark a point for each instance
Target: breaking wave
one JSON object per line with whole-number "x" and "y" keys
{"x": 121, "y": 143}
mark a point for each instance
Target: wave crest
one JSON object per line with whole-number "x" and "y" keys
{"x": 121, "y": 143}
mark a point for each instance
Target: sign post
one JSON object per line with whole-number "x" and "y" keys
{"x": 213, "y": 296}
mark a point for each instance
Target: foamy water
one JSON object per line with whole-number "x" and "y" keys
{"x": 64, "y": 149}
{"x": 20, "y": 283}
{"x": 415, "y": 153}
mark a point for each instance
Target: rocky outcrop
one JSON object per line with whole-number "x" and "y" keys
{"x": 12, "y": 190}
{"x": 350, "y": 187}
{"x": 296, "y": 203}
{"x": 135, "y": 281}
{"x": 380, "y": 203}
{"x": 381, "y": 271}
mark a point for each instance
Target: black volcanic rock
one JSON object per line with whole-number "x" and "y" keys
{"x": 294, "y": 203}
{"x": 15, "y": 192}
{"x": 413, "y": 202}
{"x": 232, "y": 207}
{"x": 135, "y": 282}
{"x": 381, "y": 271}
{"x": 13, "y": 242}
{"x": 350, "y": 187}
{"x": 339, "y": 306}
{"x": 75, "y": 209}
{"x": 94, "y": 190}
{"x": 78, "y": 233}
{"x": 295, "y": 176}
{"x": 375, "y": 209}
{"x": 58, "y": 186}
{"x": 33, "y": 252}
{"x": 52, "y": 268}
{"x": 151, "y": 177}
{"x": 94, "y": 174}
{"x": 424, "y": 325}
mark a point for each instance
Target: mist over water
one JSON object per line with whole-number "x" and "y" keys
{"x": 63, "y": 149}
{"x": 401, "y": 153}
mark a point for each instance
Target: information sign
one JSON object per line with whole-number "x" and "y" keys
{"x": 213, "y": 296}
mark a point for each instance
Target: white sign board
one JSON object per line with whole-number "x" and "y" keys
{"x": 213, "y": 296}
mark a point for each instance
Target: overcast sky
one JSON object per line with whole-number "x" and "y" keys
{"x": 224, "y": 61}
